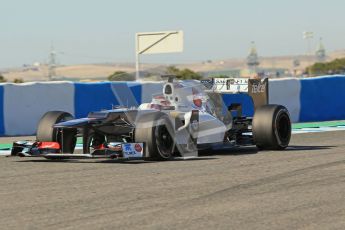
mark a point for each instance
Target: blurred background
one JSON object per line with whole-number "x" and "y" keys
{"x": 43, "y": 40}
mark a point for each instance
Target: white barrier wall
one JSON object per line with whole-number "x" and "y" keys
{"x": 286, "y": 92}
{"x": 24, "y": 104}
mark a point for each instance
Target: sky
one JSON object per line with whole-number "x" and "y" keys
{"x": 85, "y": 31}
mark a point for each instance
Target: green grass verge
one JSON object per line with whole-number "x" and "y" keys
{"x": 318, "y": 124}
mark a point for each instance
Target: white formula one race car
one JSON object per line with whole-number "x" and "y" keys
{"x": 185, "y": 118}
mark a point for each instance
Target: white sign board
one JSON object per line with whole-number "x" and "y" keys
{"x": 230, "y": 85}
{"x": 159, "y": 42}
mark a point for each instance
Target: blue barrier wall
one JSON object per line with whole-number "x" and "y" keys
{"x": 244, "y": 99}
{"x": 322, "y": 99}
{"x": 127, "y": 94}
{"x": 92, "y": 97}
{"x": 101, "y": 96}
{"x": 22, "y": 105}
{"x": 136, "y": 91}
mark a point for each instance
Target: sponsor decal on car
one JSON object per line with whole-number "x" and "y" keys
{"x": 132, "y": 150}
{"x": 230, "y": 85}
{"x": 138, "y": 147}
{"x": 259, "y": 87}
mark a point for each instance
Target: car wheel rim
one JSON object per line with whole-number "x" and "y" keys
{"x": 283, "y": 128}
{"x": 164, "y": 141}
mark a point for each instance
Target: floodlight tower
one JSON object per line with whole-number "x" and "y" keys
{"x": 52, "y": 63}
{"x": 320, "y": 52}
{"x": 253, "y": 58}
{"x": 308, "y": 36}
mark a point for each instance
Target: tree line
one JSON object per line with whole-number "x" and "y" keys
{"x": 181, "y": 74}
{"x": 336, "y": 66}
{"x": 16, "y": 80}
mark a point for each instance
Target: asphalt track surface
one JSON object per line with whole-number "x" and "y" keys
{"x": 300, "y": 188}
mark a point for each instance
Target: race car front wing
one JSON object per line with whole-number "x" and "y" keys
{"x": 52, "y": 150}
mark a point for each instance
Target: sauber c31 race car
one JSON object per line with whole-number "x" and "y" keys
{"x": 185, "y": 118}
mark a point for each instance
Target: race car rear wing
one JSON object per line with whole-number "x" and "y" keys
{"x": 257, "y": 89}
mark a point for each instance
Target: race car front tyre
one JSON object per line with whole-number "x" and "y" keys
{"x": 46, "y": 131}
{"x": 93, "y": 142}
{"x": 156, "y": 131}
{"x": 271, "y": 127}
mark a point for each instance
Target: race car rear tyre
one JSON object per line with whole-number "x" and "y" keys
{"x": 156, "y": 131}
{"x": 46, "y": 132}
{"x": 271, "y": 127}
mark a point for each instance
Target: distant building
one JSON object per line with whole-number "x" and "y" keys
{"x": 253, "y": 58}
{"x": 320, "y": 52}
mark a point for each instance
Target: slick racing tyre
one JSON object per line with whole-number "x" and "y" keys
{"x": 156, "y": 132}
{"x": 271, "y": 127}
{"x": 46, "y": 131}
{"x": 94, "y": 141}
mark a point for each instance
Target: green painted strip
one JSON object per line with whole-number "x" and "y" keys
{"x": 318, "y": 124}
{"x": 79, "y": 140}
{"x": 5, "y": 146}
